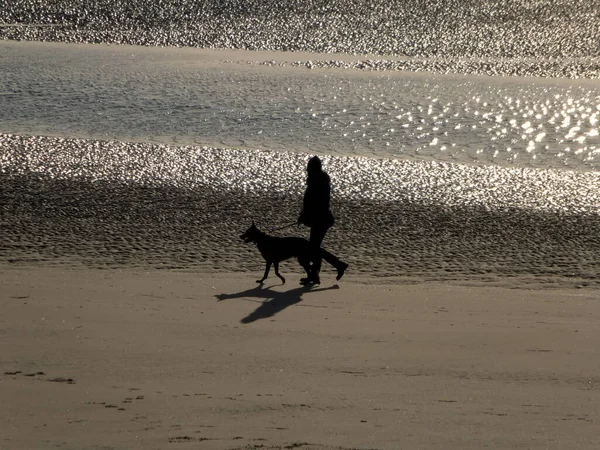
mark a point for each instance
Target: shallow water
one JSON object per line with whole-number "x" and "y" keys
{"x": 176, "y": 97}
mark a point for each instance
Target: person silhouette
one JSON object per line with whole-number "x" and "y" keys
{"x": 316, "y": 214}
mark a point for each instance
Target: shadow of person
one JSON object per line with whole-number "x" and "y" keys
{"x": 274, "y": 301}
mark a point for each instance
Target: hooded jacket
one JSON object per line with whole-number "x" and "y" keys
{"x": 316, "y": 211}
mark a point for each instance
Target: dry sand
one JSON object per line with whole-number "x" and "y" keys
{"x": 109, "y": 359}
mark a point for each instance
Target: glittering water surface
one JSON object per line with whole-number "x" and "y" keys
{"x": 167, "y": 96}
{"x": 448, "y": 28}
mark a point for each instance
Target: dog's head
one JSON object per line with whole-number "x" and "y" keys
{"x": 251, "y": 234}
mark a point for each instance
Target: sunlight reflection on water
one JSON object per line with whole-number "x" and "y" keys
{"x": 476, "y": 120}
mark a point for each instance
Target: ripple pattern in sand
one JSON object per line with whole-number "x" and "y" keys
{"x": 101, "y": 203}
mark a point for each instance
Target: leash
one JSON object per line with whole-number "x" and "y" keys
{"x": 283, "y": 227}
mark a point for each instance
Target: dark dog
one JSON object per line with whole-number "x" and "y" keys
{"x": 277, "y": 249}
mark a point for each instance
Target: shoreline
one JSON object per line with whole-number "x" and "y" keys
{"x": 524, "y": 283}
{"x": 153, "y": 358}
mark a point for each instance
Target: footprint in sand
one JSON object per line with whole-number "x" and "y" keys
{"x": 62, "y": 380}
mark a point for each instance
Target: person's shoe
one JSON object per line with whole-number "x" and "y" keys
{"x": 310, "y": 280}
{"x": 341, "y": 269}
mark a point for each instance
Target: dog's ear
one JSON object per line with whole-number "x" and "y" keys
{"x": 253, "y": 223}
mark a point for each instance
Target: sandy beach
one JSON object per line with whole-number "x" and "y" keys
{"x": 142, "y": 137}
{"x": 124, "y": 359}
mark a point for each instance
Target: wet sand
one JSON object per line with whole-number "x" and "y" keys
{"x": 105, "y": 204}
{"x": 162, "y": 359}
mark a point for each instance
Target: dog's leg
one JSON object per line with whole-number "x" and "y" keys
{"x": 305, "y": 263}
{"x": 276, "y": 265}
{"x": 266, "y": 272}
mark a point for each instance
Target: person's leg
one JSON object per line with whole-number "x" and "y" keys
{"x": 337, "y": 263}
{"x": 317, "y": 234}
{"x": 330, "y": 258}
